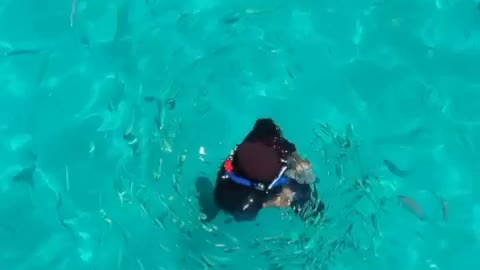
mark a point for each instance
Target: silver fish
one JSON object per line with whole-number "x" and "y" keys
{"x": 122, "y": 21}
{"x": 394, "y": 169}
{"x": 161, "y": 110}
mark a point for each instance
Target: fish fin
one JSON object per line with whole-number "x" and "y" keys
{"x": 206, "y": 201}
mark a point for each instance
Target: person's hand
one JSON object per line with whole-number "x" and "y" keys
{"x": 305, "y": 173}
{"x": 282, "y": 200}
{"x": 301, "y": 170}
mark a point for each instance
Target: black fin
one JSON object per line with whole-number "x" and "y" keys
{"x": 205, "y": 198}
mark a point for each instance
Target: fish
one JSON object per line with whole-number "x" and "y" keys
{"x": 232, "y": 18}
{"x": 373, "y": 220}
{"x": 231, "y": 249}
{"x": 176, "y": 183}
{"x": 67, "y": 179}
{"x": 26, "y": 175}
{"x": 121, "y": 30}
{"x": 160, "y": 116}
{"x": 172, "y": 103}
{"x": 85, "y": 41}
{"x": 444, "y": 204}
{"x": 43, "y": 68}
{"x": 17, "y": 52}
{"x": 157, "y": 174}
{"x": 140, "y": 264}
{"x": 413, "y": 206}
{"x": 132, "y": 141}
{"x": 395, "y": 170}
{"x": 160, "y": 220}
{"x": 349, "y": 133}
{"x": 59, "y": 210}
{"x": 73, "y": 12}
{"x": 445, "y": 210}
{"x": 339, "y": 171}
{"x": 150, "y": 7}
{"x": 8, "y": 228}
{"x": 164, "y": 248}
{"x": 149, "y": 99}
{"x": 207, "y": 261}
{"x": 290, "y": 73}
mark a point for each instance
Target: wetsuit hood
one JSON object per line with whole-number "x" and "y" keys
{"x": 258, "y": 161}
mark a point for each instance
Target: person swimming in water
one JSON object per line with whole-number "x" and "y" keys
{"x": 264, "y": 170}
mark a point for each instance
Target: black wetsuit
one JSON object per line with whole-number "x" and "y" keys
{"x": 231, "y": 197}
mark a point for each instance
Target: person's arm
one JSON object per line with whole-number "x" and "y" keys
{"x": 283, "y": 199}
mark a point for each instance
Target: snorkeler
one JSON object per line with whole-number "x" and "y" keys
{"x": 263, "y": 171}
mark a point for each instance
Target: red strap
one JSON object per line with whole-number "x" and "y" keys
{"x": 228, "y": 165}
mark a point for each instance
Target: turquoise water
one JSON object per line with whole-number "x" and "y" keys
{"x": 398, "y": 79}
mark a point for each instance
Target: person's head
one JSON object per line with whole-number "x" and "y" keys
{"x": 258, "y": 161}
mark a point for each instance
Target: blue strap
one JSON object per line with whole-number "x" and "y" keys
{"x": 245, "y": 182}
{"x": 240, "y": 180}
